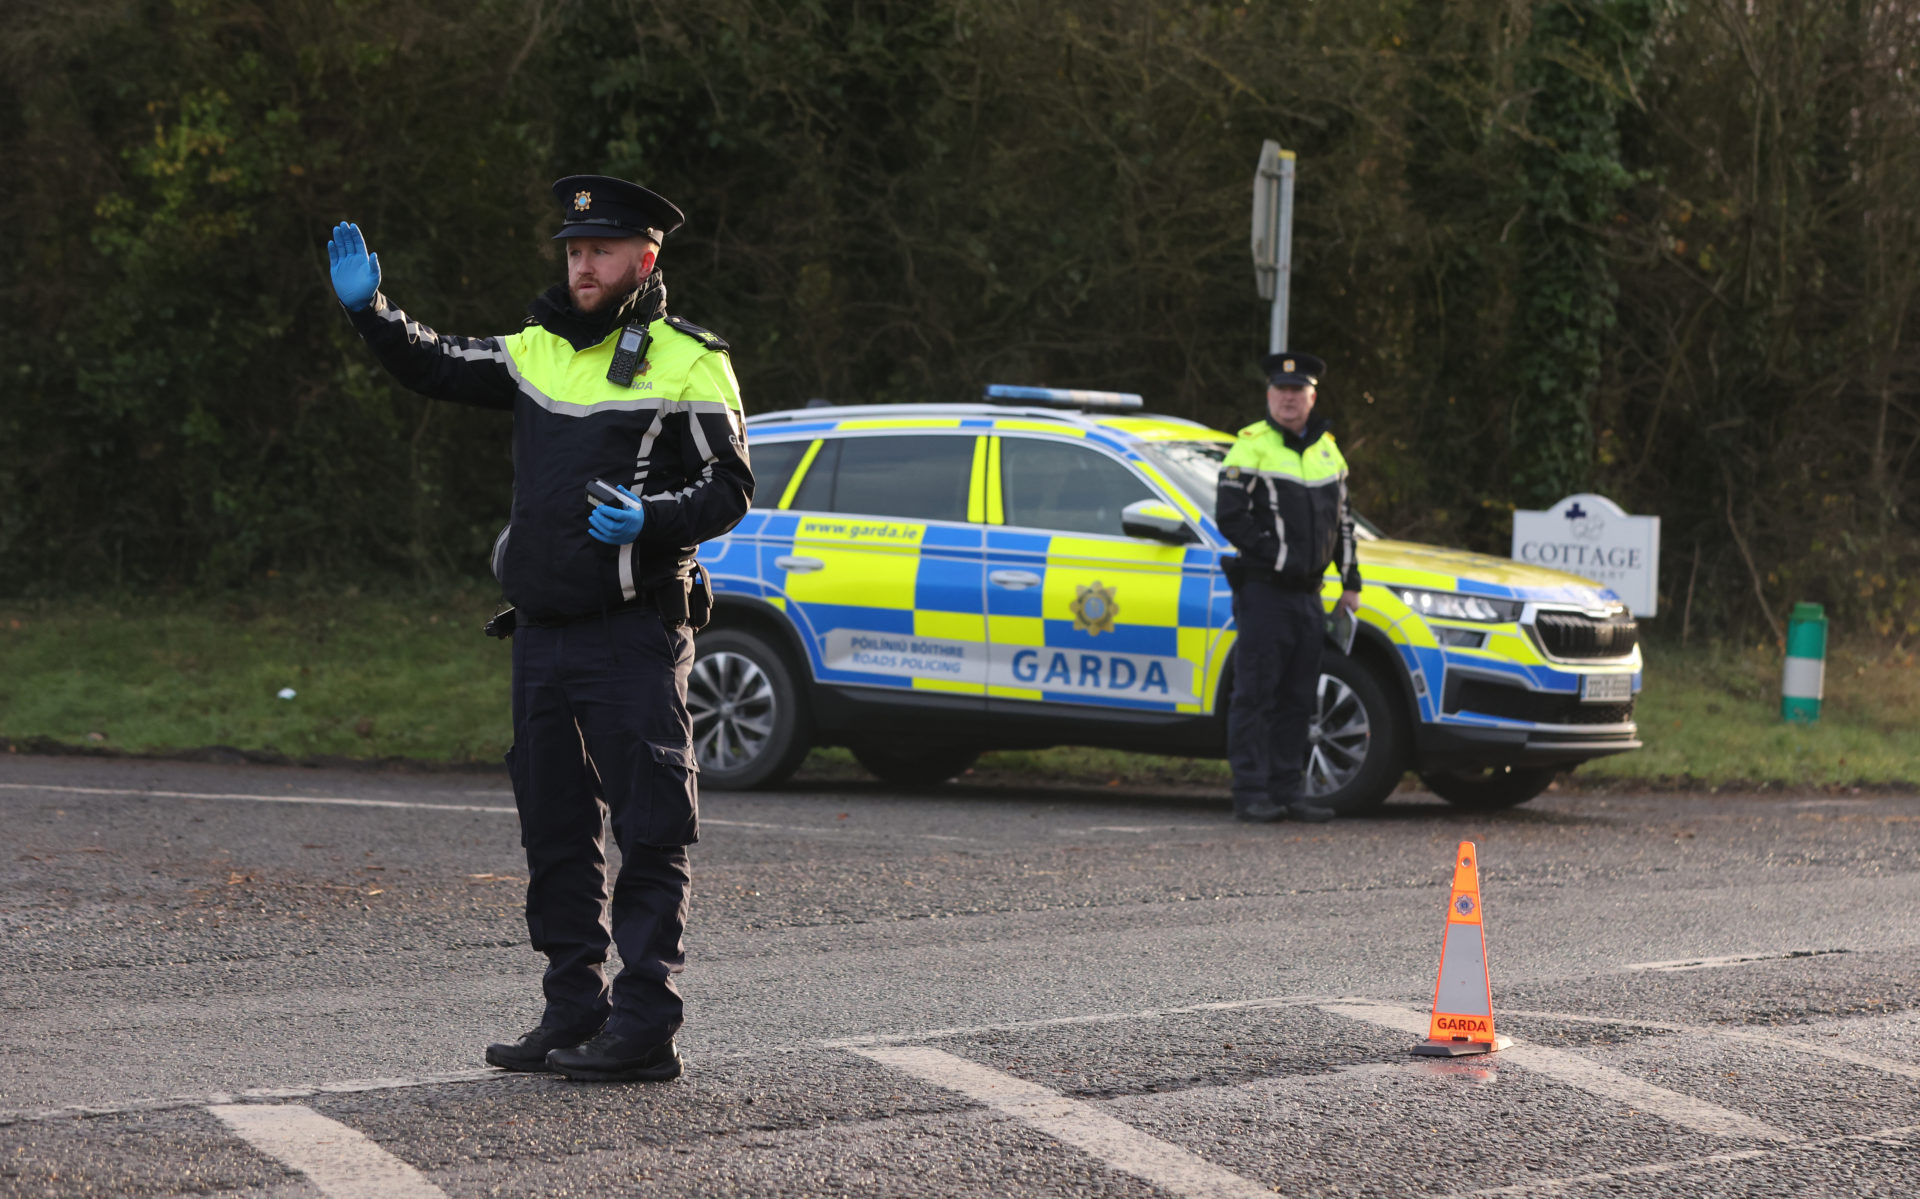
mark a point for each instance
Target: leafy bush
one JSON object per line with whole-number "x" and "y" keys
{"x": 1665, "y": 252}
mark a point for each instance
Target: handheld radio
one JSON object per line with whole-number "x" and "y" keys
{"x": 628, "y": 355}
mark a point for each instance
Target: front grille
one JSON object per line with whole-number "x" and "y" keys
{"x": 1574, "y": 635}
{"x": 1517, "y": 703}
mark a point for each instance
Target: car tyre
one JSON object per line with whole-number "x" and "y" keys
{"x": 1490, "y": 789}
{"x": 1356, "y": 743}
{"x": 749, "y": 727}
{"x": 914, "y": 765}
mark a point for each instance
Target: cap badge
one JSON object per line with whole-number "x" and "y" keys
{"x": 582, "y": 201}
{"x": 1287, "y": 366}
{"x": 1093, "y": 609}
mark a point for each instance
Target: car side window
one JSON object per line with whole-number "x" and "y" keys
{"x": 1064, "y": 487}
{"x": 815, "y": 493}
{"x": 773, "y": 465}
{"x": 907, "y": 477}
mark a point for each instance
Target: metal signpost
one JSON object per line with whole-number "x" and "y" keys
{"x": 1273, "y": 235}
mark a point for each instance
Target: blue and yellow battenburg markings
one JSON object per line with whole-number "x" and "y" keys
{"x": 1115, "y": 622}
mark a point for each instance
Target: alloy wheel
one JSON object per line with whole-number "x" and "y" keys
{"x": 732, "y": 705}
{"x": 1338, "y": 738}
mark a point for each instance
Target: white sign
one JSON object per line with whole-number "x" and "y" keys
{"x": 1593, "y": 537}
{"x": 1072, "y": 671}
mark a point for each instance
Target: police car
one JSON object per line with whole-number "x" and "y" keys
{"x": 923, "y": 582}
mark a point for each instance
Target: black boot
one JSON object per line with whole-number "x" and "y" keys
{"x": 1259, "y": 811}
{"x": 529, "y": 1054}
{"x": 617, "y": 1057}
{"x": 1308, "y": 813}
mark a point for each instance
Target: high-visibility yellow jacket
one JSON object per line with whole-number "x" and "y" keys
{"x": 1282, "y": 501}
{"x": 675, "y": 437}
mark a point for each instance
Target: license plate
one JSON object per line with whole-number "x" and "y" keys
{"x": 1606, "y": 688}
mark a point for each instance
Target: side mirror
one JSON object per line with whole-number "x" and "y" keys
{"x": 1156, "y": 520}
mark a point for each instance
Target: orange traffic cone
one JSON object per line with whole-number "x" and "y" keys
{"x": 1463, "y": 996}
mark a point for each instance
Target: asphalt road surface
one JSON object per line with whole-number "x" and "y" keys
{"x": 277, "y": 982}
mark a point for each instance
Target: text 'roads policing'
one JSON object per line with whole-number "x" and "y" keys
{"x": 1150, "y": 677}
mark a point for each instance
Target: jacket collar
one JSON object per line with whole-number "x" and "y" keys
{"x": 553, "y": 311}
{"x": 1302, "y": 441}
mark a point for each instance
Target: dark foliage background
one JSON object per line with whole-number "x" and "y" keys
{"x": 1665, "y": 251}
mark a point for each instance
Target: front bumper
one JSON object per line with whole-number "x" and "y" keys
{"x": 1472, "y": 747}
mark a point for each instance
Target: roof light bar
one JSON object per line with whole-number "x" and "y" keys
{"x": 1061, "y": 397}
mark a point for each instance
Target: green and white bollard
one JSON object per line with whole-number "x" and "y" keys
{"x": 1804, "y": 677}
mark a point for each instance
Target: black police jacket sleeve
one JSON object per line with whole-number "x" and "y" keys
{"x": 440, "y": 366}
{"x": 1248, "y": 526}
{"x": 706, "y": 430}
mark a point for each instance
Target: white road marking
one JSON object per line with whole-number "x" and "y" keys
{"x": 1732, "y": 959}
{"x": 1412, "y": 1022}
{"x": 334, "y": 800}
{"x": 350, "y": 802}
{"x": 1585, "y": 1074}
{"x": 1811, "y": 1048}
{"x": 340, "y": 1161}
{"x": 1073, "y": 1122}
{"x": 934, "y": 1034}
{"x": 1140, "y": 828}
{"x": 349, "y": 1086}
{"x": 1898, "y": 1138}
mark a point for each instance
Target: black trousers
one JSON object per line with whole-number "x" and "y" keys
{"x": 1276, "y": 675}
{"x": 600, "y": 712}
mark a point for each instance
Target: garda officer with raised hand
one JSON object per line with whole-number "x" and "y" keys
{"x": 607, "y": 392}
{"x": 1283, "y": 504}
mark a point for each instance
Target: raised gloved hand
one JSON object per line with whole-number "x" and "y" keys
{"x": 616, "y": 526}
{"x": 356, "y": 273}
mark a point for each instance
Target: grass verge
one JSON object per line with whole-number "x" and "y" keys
{"x": 1711, "y": 716}
{"x": 409, "y": 676}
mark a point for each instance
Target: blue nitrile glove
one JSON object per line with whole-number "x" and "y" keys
{"x": 356, "y": 273}
{"x": 617, "y": 526}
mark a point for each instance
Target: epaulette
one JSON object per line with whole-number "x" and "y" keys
{"x": 706, "y": 337}
{"x": 1255, "y": 429}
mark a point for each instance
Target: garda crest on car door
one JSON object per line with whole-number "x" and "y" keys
{"x": 1077, "y": 611}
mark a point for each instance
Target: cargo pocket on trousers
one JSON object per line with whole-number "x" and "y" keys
{"x": 519, "y": 789}
{"x": 674, "y": 795}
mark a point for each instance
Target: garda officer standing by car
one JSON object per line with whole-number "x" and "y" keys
{"x": 1283, "y": 504}
{"x": 612, "y": 398}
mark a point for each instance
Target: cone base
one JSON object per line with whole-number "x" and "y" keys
{"x": 1461, "y": 1048}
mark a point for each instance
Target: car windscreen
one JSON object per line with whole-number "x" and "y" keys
{"x": 1194, "y": 467}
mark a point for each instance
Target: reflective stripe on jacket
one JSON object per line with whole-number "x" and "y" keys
{"x": 1282, "y": 502}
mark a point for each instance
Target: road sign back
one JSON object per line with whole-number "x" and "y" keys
{"x": 1462, "y": 1021}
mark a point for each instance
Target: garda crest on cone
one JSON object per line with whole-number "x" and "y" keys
{"x": 1462, "y": 1021}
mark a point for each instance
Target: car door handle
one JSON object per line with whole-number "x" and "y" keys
{"x": 797, "y": 566}
{"x": 1014, "y": 580}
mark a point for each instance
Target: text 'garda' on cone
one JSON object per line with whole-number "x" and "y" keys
{"x": 1462, "y": 1021}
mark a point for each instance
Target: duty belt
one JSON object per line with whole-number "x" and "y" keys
{"x": 645, "y": 601}
{"x": 1256, "y": 573}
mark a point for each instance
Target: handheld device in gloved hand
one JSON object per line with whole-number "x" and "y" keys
{"x": 617, "y": 516}
{"x": 502, "y": 624}
{"x": 602, "y": 492}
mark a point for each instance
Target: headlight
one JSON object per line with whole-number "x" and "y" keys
{"x": 1452, "y": 605}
